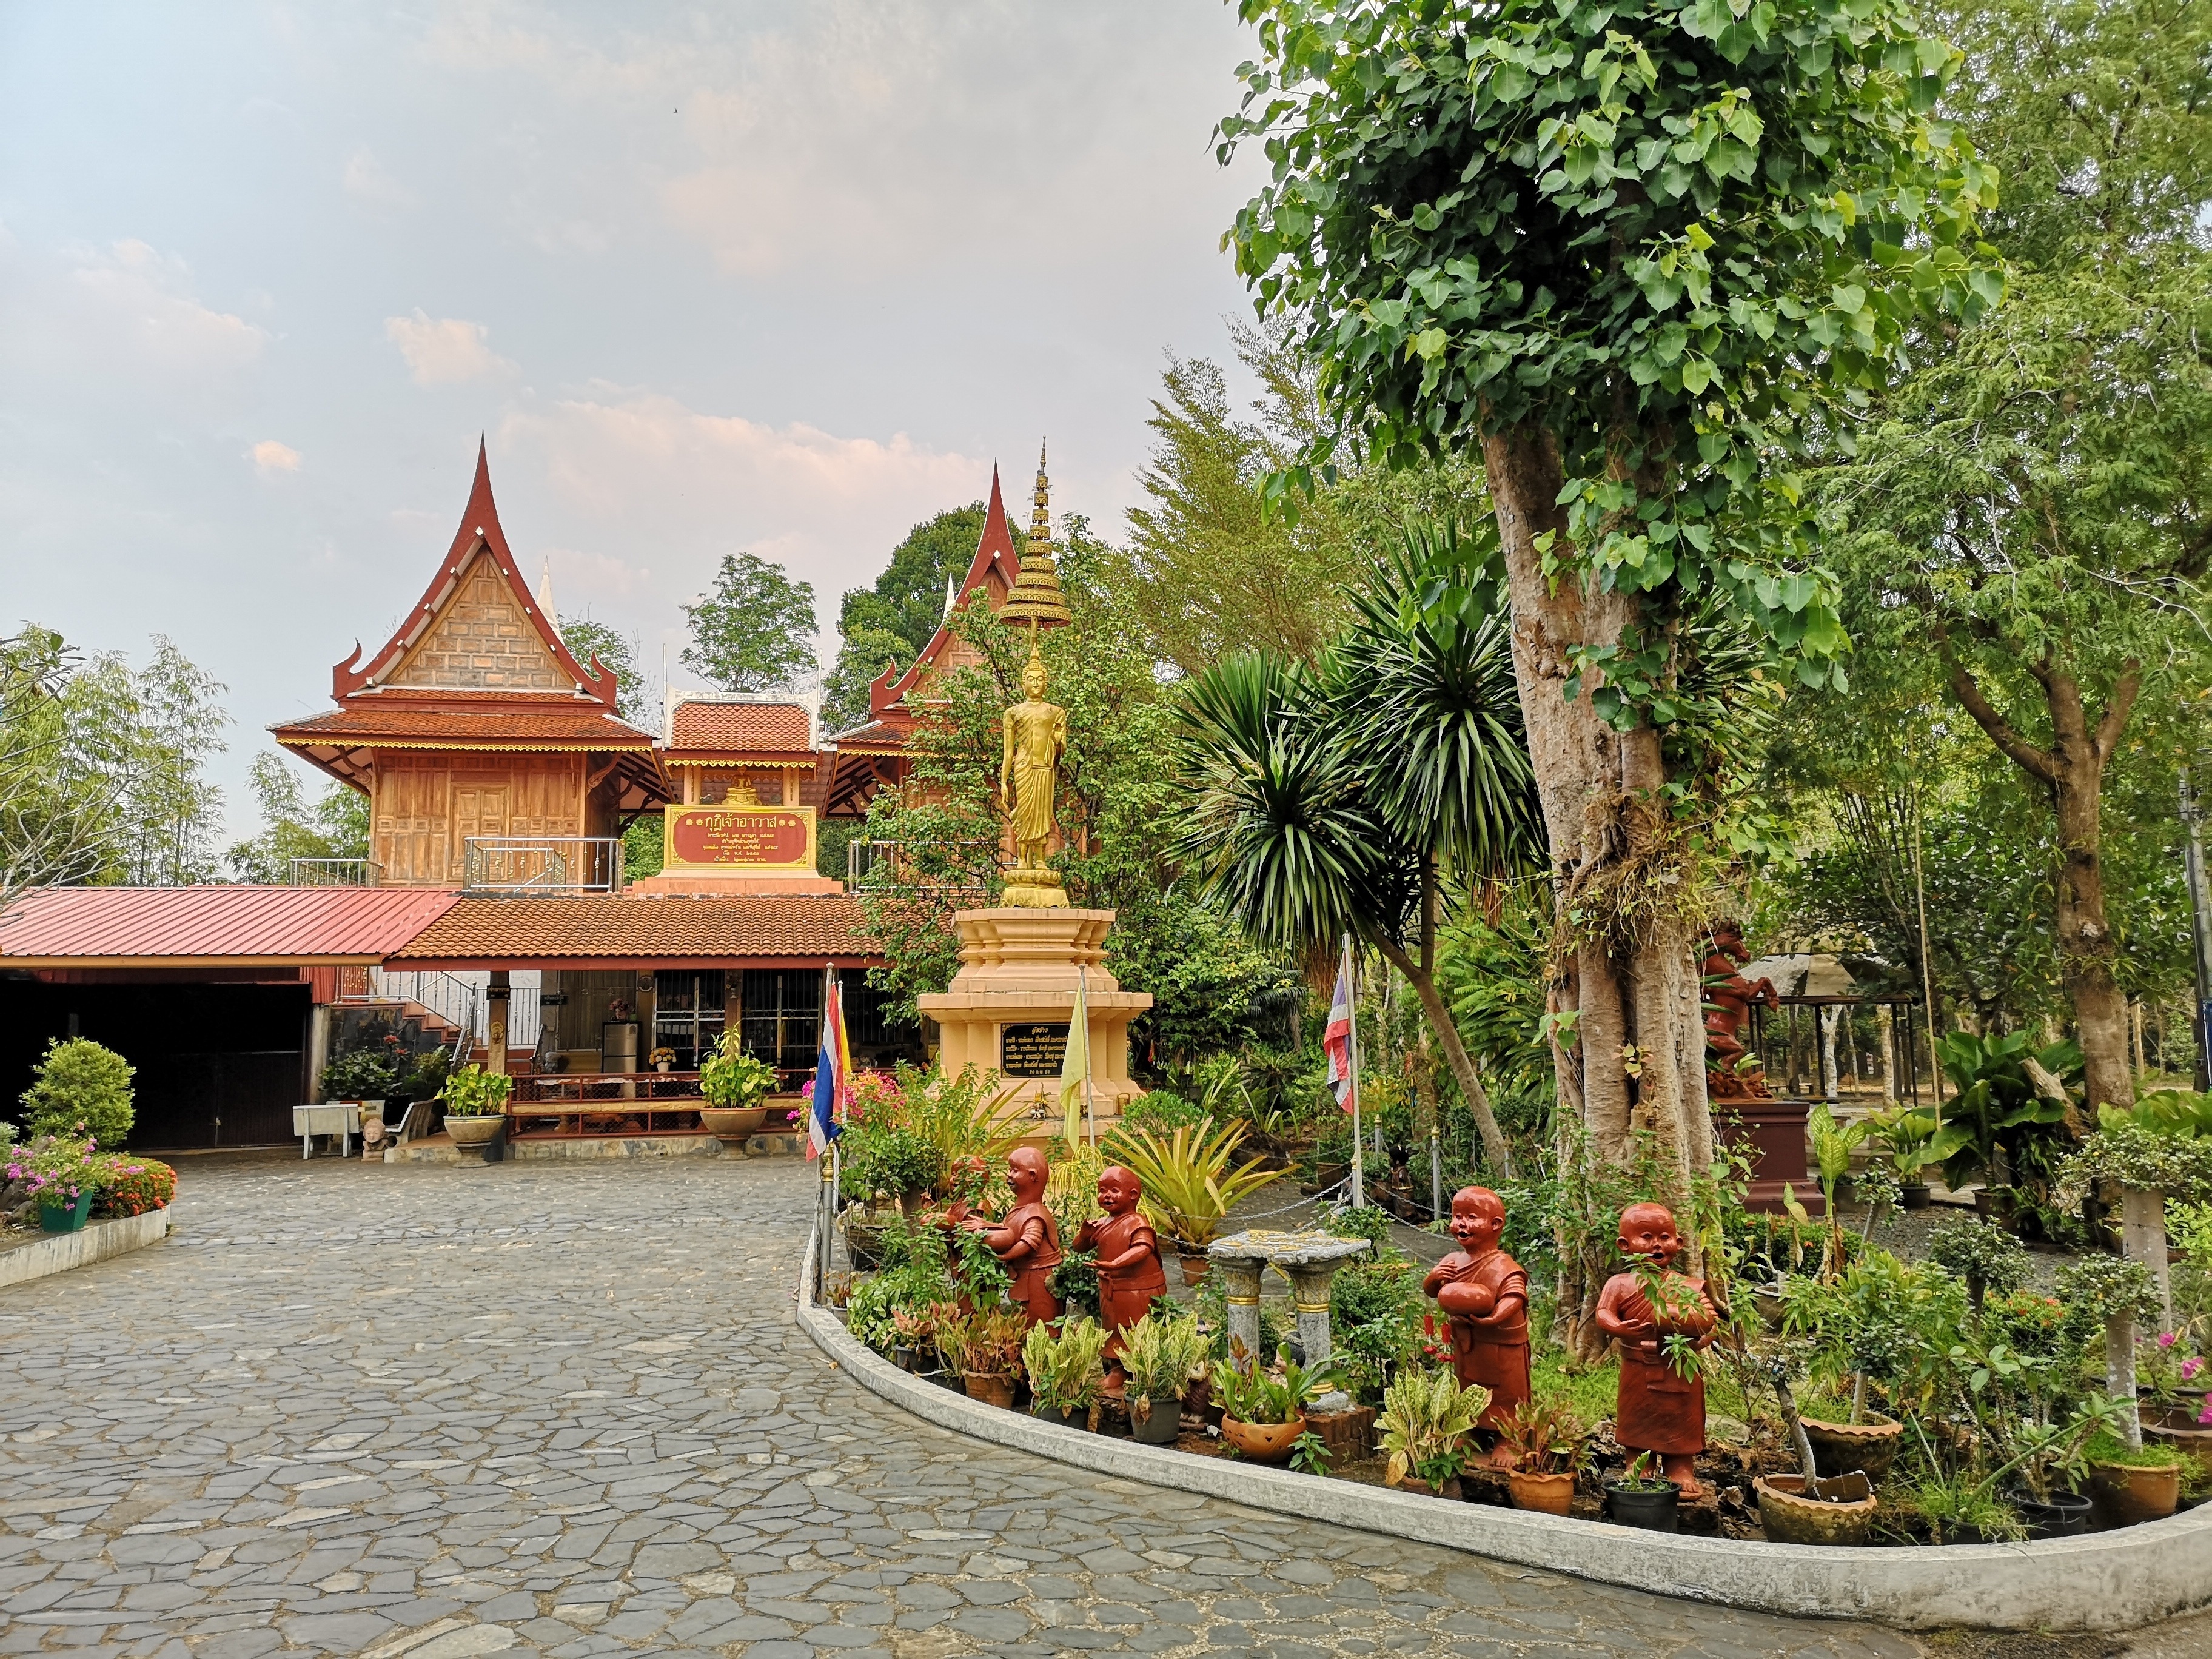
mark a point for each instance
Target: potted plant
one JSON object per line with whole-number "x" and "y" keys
{"x": 1642, "y": 1496}
{"x": 986, "y": 1347}
{"x": 1189, "y": 1185}
{"x": 1066, "y": 1370}
{"x": 1999, "y": 1106}
{"x": 1425, "y": 1419}
{"x": 734, "y": 1084}
{"x": 1262, "y": 1411}
{"x": 1159, "y": 1354}
{"x": 2049, "y": 1459}
{"x": 1549, "y": 1446}
{"x": 63, "y": 1176}
{"x": 1806, "y": 1508}
{"x": 1866, "y": 1326}
{"x": 475, "y": 1105}
{"x": 1915, "y": 1141}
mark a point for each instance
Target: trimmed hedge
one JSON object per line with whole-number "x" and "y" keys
{"x": 132, "y": 1185}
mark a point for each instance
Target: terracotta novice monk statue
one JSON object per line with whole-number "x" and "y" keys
{"x": 1129, "y": 1274}
{"x": 1486, "y": 1293}
{"x": 1028, "y": 1239}
{"x": 1658, "y": 1409}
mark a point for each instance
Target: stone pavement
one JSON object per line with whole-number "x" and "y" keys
{"x": 439, "y": 1412}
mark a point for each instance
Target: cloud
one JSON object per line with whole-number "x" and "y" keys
{"x": 272, "y": 457}
{"x": 368, "y": 183}
{"x": 129, "y": 302}
{"x": 443, "y": 350}
{"x": 648, "y": 495}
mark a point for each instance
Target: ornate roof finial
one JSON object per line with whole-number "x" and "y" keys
{"x": 1037, "y": 597}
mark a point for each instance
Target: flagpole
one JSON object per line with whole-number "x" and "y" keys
{"x": 1352, "y": 1008}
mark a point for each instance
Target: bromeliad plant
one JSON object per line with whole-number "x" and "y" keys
{"x": 1188, "y": 1184}
{"x": 1425, "y": 1419}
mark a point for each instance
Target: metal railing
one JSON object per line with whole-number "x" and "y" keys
{"x": 336, "y": 873}
{"x": 511, "y": 866}
{"x": 458, "y": 1000}
{"x": 877, "y": 863}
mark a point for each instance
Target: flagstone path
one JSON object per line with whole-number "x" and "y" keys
{"x": 440, "y": 1413}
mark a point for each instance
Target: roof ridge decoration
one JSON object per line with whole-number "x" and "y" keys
{"x": 994, "y": 551}
{"x": 480, "y": 529}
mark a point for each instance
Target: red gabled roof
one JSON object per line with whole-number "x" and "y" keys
{"x": 201, "y": 927}
{"x": 364, "y": 725}
{"x": 995, "y": 561}
{"x": 745, "y": 727}
{"x": 559, "y": 932}
{"x": 480, "y": 527}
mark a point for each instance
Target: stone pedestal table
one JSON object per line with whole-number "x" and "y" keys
{"x": 1309, "y": 1260}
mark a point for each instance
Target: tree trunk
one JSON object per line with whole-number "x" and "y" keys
{"x": 2143, "y": 1238}
{"x": 2072, "y": 772}
{"x": 1636, "y": 1063}
{"x": 1495, "y": 1151}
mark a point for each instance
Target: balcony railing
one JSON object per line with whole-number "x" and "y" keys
{"x": 954, "y": 867}
{"x": 521, "y": 866}
{"x": 336, "y": 873}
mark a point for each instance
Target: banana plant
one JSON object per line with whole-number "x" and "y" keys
{"x": 1996, "y": 1095}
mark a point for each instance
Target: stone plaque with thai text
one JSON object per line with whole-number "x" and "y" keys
{"x": 1032, "y": 1050}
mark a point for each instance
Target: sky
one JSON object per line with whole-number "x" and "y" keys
{"x": 779, "y": 278}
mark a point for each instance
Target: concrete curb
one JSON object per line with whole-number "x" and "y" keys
{"x": 2106, "y": 1581}
{"x": 56, "y": 1252}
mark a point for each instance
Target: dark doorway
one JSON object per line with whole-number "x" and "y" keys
{"x": 218, "y": 1065}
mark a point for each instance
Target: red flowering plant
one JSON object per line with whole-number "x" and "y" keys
{"x": 1436, "y": 1343}
{"x": 58, "y": 1168}
{"x": 132, "y": 1185}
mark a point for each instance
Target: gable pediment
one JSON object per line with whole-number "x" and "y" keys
{"x": 482, "y": 638}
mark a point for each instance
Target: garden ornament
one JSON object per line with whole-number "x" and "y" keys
{"x": 1662, "y": 1320}
{"x": 1730, "y": 997}
{"x": 1486, "y": 1293}
{"x": 1129, "y": 1273}
{"x": 1028, "y": 1239}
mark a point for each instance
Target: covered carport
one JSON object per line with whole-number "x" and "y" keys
{"x": 209, "y": 992}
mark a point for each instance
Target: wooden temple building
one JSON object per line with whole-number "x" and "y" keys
{"x": 501, "y": 780}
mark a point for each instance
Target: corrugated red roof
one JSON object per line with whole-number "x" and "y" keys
{"x": 748, "y": 727}
{"x": 492, "y": 931}
{"x": 181, "y": 927}
{"x": 577, "y": 726}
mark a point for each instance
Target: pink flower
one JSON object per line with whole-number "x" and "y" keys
{"x": 2165, "y": 1338}
{"x": 2205, "y": 1416}
{"x": 2189, "y": 1367}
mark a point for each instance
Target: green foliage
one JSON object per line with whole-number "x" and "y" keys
{"x": 1190, "y": 1185}
{"x": 474, "y": 1093}
{"x": 1547, "y": 1437}
{"x": 83, "y": 1088}
{"x": 1159, "y": 1352}
{"x": 1309, "y": 1454}
{"x": 1066, "y": 1370}
{"x": 1881, "y": 1318}
{"x": 732, "y": 1077}
{"x": 892, "y": 622}
{"x": 914, "y": 1278}
{"x": 1990, "y": 1259}
{"x": 891, "y": 1160}
{"x": 754, "y": 629}
{"x": 1998, "y": 1102}
{"x": 1668, "y": 236}
{"x": 618, "y": 653}
{"x": 335, "y": 827}
{"x": 1160, "y": 1113}
{"x": 2186, "y": 1114}
{"x": 2111, "y": 1287}
{"x": 1491, "y": 969}
{"x": 1250, "y": 1391}
{"x": 373, "y": 1070}
{"x": 1425, "y": 1418}
{"x": 2178, "y": 1166}
{"x": 1914, "y": 1140}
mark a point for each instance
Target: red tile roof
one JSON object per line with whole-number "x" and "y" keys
{"x": 186, "y": 926}
{"x": 554, "y": 933}
{"x": 747, "y": 727}
{"x": 563, "y": 726}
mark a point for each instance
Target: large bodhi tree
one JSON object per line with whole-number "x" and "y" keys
{"x": 1633, "y": 249}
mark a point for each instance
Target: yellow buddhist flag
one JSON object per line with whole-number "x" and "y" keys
{"x": 1075, "y": 1067}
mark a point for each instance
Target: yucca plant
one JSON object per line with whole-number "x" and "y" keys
{"x": 1425, "y": 1418}
{"x": 1189, "y": 1185}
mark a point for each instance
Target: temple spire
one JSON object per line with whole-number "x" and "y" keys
{"x": 1037, "y": 597}
{"x": 1040, "y": 511}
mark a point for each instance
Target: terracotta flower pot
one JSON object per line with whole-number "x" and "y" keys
{"x": 1194, "y": 1266}
{"x": 1552, "y": 1493}
{"x": 1791, "y": 1517}
{"x": 732, "y": 1125}
{"x": 1263, "y": 1442}
{"x": 991, "y": 1390}
{"x": 475, "y": 1131}
{"x": 1840, "y": 1448}
{"x": 2124, "y": 1496}
{"x": 2177, "y": 1426}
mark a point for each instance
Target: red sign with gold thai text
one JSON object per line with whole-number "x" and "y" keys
{"x": 724, "y": 837}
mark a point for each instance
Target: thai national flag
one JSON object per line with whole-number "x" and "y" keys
{"x": 832, "y": 1073}
{"x": 1336, "y": 1036}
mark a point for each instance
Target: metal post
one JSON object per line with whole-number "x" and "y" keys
{"x": 2200, "y": 911}
{"x": 1435, "y": 1173}
{"x": 1358, "y": 1153}
{"x": 1090, "y": 1117}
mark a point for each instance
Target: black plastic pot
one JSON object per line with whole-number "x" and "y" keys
{"x": 1161, "y": 1425}
{"x": 2066, "y": 1516}
{"x": 1648, "y": 1507}
{"x": 1914, "y": 1195}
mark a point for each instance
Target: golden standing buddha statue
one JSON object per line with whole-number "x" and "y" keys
{"x": 1035, "y": 731}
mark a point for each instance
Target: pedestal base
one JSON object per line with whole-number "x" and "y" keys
{"x": 1772, "y": 1133}
{"x": 1007, "y": 1009}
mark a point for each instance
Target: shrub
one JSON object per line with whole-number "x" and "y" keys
{"x": 57, "y": 1167}
{"x": 474, "y": 1093}
{"x": 1161, "y": 1112}
{"x": 79, "y": 1083}
{"x": 132, "y": 1185}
